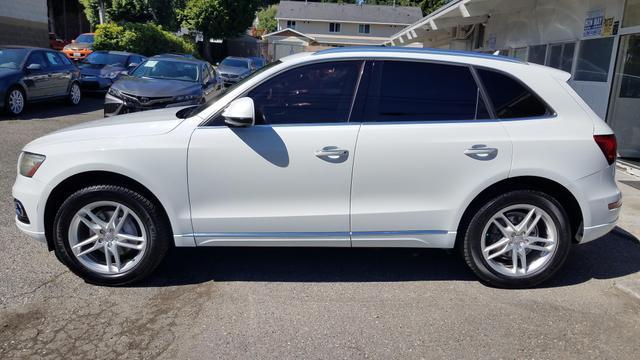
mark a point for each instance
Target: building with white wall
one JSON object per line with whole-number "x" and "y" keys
{"x": 24, "y": 22}
{"x": 311, "y": 25}
{"x": 597, "y": 41}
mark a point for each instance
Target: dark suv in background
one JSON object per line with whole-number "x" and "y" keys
{"x": 35, "y": 74}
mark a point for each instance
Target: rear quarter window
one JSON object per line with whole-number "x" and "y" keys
{"x": 510, "y": 98}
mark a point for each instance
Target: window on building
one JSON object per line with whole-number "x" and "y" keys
{"x": 594, "y": 58}
{"x": 520, "y": 53}
{"x": 334, "y": 27}
{"x": 364, "y": 28}
{"x": 560, "y": 56}
{"x": 631, "y": 13}
{"x": 434, "y": 92}
{"x": 317, "y": 93}
{"x": 537, "y": 54}
{"x": 510, "y": 98}
{"x": 291, "y": 24}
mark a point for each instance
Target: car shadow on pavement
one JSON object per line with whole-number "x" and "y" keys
{"x": 616, "y": 255}
{"x": 57, "y": 108}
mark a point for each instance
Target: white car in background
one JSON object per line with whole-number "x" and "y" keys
{"x": 350, "y": 147}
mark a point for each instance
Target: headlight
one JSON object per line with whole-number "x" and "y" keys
{"x": 186, "y": 97}
{"x": 114, "y": 92}
{"x": 29, "y": 163}
{"x": 113, "y": 74}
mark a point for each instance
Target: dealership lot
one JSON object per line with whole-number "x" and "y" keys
{"x": 275, "y": 303}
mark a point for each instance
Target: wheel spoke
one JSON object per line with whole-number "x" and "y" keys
{"x": 116, "y": 257}
{"x": 107, "y": 257}
{"x": 510, "y": 225}
{"x": 533, "y": 225}
{"x": 497, "y": 244}
{"x": 523, "y": 260}
{"x": 95, "y": 247}
{"x": 131, "y": 237}
{"x": 128, "y": 245}
{"x": 505, "y": 232}
{"x": 500, "y": 252}
{"x": 523, "y": 224}
{"x": 514, "y": 259}
{"x": 536, "y": 247}
{"x": 120, "y": 223}
{"x": 112, "y": 221}
{"x": 535, "y": 239}
{"x": 88, "y": 241}
{"x": 94, "y": 218}
{"x": 92, "y": 226}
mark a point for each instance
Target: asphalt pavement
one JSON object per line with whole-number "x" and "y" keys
{"x": 308, "y": 303}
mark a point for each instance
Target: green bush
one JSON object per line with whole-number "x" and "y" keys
{"x": 143, "y": 38}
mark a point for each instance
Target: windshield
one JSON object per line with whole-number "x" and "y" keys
{"x": 101, "y": 58}
{"x": 12, "y": 58}
{"x": 85, "y": 38}
{"x": 235, "y": 63}
{"x": 168, "y": 70}
{"x": 189, "y": 112}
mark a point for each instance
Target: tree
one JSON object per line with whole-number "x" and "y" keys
{"x": 219, "y": 18}
{"x": 267, "y": 18}
{"x": 161, "y": 12}
{"x": 429, "y": 6}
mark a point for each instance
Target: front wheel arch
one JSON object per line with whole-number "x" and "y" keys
{"x": 81, "y": 180}
{"x": 544, "y": 185}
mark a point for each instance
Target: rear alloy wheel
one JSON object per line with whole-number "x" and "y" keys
{"x": 518, "y": 240}
{"x": 75, "y": 94}
{"x": 110, "y": 235}
{"x": 15, "y": 101}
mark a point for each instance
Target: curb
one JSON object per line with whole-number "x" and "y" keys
{"x": 629, "y": 168}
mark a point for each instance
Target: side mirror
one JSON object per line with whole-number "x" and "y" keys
{"x": 217, "y": 64}
{"x": 241, "y": 112}
{"x": 133, "y": 66}
{"x": 73, "y": 41}
{"x": 34, "y": 67}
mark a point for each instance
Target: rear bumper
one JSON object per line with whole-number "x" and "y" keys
{"x": 598, "y": 192}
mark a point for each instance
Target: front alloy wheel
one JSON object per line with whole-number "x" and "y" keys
{"x": 518, "y": 239}
{"x": 110, "y": 235}
{"x": 75, "y": 94}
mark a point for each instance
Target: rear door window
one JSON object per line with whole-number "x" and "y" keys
{"x": 423, "y": 91}
{"x": 510, "y": 98}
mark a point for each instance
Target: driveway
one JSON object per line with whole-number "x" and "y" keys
{"x": 308, "y": 303}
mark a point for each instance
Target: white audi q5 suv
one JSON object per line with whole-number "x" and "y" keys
{"x": 349, "y": 147}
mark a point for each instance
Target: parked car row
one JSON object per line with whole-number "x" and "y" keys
{"x": 131, "y": 82}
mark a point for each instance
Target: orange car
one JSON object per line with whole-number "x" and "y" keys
{"x": 80, "y": 48}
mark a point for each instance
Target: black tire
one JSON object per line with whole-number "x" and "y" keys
{"x": 155, "y": 226}
{"x": 7, "y": 107}
{"x": 70, "y": 99}
{"x": 472, "y": 249}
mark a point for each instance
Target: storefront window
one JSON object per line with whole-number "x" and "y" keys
{"x": 561, "y": 56}
{"x": 594, "y": 58}
{"x": 631, "y": 13}
{"x": 520, "y": 53}
{"x": 537, "y": 54}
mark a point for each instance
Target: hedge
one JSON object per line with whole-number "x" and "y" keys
{"x": 142, "y": 38}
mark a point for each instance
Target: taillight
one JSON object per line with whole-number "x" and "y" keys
{"x": 608, "y": 145}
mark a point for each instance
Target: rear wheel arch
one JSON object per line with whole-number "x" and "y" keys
{"x": 85, "y": 179}
{"x": 552, "y": 188}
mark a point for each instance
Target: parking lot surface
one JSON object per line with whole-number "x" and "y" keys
{"x": 308, "y": 303}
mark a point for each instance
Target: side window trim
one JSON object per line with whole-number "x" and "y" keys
{"x": 210, "y": 122}
{"x": 488, "y": 103}
{"x": 550, "y": 112}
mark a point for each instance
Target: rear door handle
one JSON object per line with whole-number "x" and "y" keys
{"x": 331, "y": 151}
{"x": 481, "y": 152}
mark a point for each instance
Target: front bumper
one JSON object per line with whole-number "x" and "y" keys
{"x": 77, "y": 55}
{"x": 28, "y": 191}
{"x": 117, "y": 106}
{"x": 95, "y": 83}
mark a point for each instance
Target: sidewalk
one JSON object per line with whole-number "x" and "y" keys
{"x": 629, "y": 222}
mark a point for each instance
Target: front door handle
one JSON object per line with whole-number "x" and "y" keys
{"x": 329, "y": 151}
{"x": 481, "y": 152}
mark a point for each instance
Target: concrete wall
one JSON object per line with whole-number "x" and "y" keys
{"x": 24, "y": 22}
{"x": 319, "y": 27}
